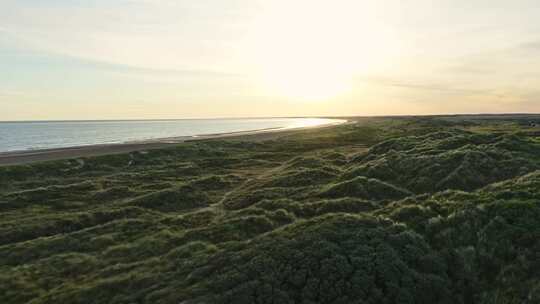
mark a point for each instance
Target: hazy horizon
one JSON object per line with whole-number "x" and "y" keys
{"x": 509, "y": 114}
{"x": 164, "y": 59}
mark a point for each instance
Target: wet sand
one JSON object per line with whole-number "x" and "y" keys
{"x": 30, "y": 156}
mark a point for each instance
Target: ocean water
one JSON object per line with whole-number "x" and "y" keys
{"x": 19, "y": 136}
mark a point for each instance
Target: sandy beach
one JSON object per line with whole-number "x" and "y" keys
{"x": 30, "y": 156}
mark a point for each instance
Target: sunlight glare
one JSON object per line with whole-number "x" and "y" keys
{"x": 312, "y": 50}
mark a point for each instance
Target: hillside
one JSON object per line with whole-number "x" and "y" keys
{"x": 382, "y": 210}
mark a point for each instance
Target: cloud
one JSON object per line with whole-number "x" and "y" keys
{"x": 147, "y": 34}
{"x": 532, "y": 45}
{"x": 12, "y": 93}
{"x": 440, "y": 87}
{"x": 9, "y": 94}
{"x": 433, "y": 87}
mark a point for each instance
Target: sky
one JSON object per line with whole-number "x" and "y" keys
{"x": 127, "y": 59}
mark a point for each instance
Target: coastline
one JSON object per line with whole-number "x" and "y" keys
{"x": 30, "y": 156}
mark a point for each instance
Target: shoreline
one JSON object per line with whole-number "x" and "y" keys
{"x": 21, "y": 157}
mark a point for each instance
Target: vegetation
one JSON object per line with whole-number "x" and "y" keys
{"x": 380, "y": 210}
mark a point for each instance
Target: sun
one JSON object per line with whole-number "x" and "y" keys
{"x": 306, "y": 69}
{"x": 313, "y": 50}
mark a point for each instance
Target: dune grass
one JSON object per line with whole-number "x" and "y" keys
{"x": 383, "y": 210}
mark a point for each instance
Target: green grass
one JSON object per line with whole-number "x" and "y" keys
{"x": 384, "y": 210}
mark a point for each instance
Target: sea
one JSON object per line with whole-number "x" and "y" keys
{"x": 37, "y": 135}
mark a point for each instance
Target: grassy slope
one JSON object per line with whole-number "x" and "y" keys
{"x": 403, "y": 210}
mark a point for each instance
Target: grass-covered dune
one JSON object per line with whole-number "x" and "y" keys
{"x": 381, "y": 210}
